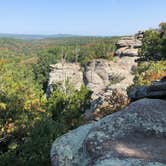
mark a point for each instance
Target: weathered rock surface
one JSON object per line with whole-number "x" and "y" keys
{"x": 99, "y": 74}
{"x": 103, "y": 77}
{"x": 135, "y": 136}
{"x": 66, "y": 71}
{"x": 156, "y": 90}
{"x": 131, "y": 42}
{"x": 128, "y": 46}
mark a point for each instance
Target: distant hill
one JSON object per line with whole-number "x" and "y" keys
{"x": 34, "y": 36}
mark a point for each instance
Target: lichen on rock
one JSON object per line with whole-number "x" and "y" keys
{"x": 136, "y": 134}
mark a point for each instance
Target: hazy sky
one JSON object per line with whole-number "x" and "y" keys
{"x": 84, "y": 17}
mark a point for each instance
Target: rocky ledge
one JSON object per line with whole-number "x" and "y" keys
{"x": 128, "y": 46}
{"x": 135, "y": 136}
{"x": 156, "y": 90}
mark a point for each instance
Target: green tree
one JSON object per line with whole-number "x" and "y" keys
{"x": 42, "y": 68}
{"x": 151, "y": 48}
{"x": 68, "y": 107}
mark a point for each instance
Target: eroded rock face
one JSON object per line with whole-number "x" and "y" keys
{"x": 99, "y": 74}
{"x": 103, "y": 77}
{"x": 66, "y": 71}
{"x": 132, "y": 137}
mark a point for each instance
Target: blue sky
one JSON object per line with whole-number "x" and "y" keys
{"x": 83, "y": 17}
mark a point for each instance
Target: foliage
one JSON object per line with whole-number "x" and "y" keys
{"x": 162, "y": 26}
{"x": 151, "y": 46}
{"x": 113, "y": 103}
{"x": 154, "y": 44}
{"x": 36, "y": 148}
{"x": 20, "y": 105}
{"x": 67, "y": 107}
{"x": 42, "y": 68}
{"x": 10, "y": 47}
{"x": 146, "y": 73}
{"x": 28, "y": 123}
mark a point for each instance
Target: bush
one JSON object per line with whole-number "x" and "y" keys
{"x": 154, "y": 44}
{"x": 112, "y": 103}
{"x": 146, "y": 73}
{"x": 151, "y": 47}
{"x": 36, "y": 148}
{"x": 68, "y": 107}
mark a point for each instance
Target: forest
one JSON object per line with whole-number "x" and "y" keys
{"x": 29, "y": 122}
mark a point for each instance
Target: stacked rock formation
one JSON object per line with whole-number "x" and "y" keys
{"x": 128, "y": 46}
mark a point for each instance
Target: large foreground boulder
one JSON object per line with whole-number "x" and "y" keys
{"x": 135, "y": 136}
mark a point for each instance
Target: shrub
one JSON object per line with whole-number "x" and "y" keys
{"x": 67, "y": 108}
{"x": 151, "y": 47}
{"x": 154, "y": 44}
{"x": 146, "y": 73}
{"x": 112, "y": 103}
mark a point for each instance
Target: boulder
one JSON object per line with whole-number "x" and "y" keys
{"x": 97, "y": 75}
{"x": 135, "y": 136}
{"x": 156, "y": 90}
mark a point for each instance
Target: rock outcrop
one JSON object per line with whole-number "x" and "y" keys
{"x": 135, "y": 136}
{"x": 103, "y": 77}
{"x": 98, "y": 74}
{"x": 65, "y": 71}
{"x": 128, "y": 46}
{"x": 156, "y": 90}
{"x": 101, "y": 74}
